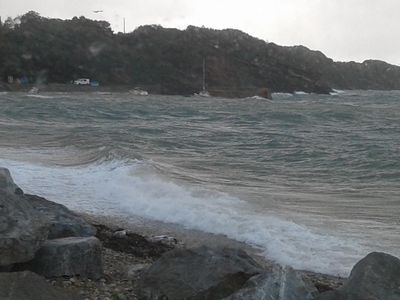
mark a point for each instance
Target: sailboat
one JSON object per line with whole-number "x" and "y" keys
{"x": 204, "y": 92}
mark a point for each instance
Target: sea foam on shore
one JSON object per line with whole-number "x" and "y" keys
{"x": 129, "y": 190}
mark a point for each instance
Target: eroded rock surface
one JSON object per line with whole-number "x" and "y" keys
{"x": 68, "y": 257}
{"x": 22, "y": 230}
{"x": 7, "y": 183}
{"x": 61, "y": 221}
{"x": 200, "y": 273}
{"x": 280, "y": 283}
{"x": 375, "y": 277}
{"x": 27, "y": 285}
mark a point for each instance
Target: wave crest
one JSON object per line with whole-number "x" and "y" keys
{"x": 139, "y": 188}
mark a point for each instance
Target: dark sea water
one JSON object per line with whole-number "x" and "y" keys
{"x": 312, "y": 181}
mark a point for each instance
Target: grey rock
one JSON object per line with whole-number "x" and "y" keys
{"x": 133, "y": 270}
{"x": 281, "y": 283}
{"x": 27, "y": 285}
{"x": 22, "y": 231}
{"x": 333, "y": 295}
{"x": 61, "y": 221}
{"x": 322, "y": 282}
{"x": 7, "y": 183}
{"x": 200, "y": 273}
{"x": 375, "y": 277}
{"x": 68, "y": 257}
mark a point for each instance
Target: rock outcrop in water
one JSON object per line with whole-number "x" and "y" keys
{"x": 170, "y": 61}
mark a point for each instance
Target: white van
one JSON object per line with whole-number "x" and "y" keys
{"x": 82, "y": 81}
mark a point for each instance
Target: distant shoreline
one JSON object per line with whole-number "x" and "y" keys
{"x": 64, "y": 87}
{"x": 151, "y": 89}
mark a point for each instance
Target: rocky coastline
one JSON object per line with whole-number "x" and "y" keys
{"x": 115, "y": 88}
{"x": 170, "y": 61}
{"x": 49, "y": 252}
{"x": 65, "y": 88}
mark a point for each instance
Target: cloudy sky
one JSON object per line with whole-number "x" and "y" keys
{"x": 343, "y": 29}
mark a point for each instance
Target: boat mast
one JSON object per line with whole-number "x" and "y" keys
{"x": 204, "y": 74}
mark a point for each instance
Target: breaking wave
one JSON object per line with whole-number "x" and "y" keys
{"x": 137, "y": 188}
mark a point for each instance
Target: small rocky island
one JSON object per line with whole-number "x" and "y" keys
{"x": 48, "y": 252}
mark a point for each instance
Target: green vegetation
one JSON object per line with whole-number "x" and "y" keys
{"x": 170, "y": 61}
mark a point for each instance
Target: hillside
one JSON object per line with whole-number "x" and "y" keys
{"x": 169, "y": 61}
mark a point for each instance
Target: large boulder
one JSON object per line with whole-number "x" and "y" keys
{"x": 375, "y": 277}
{"x": 7, "y": 183}
{"x": 200, "y": 273}
{"x": 68, "y": 257}
{"x": 22, "y": 230}
{"x": 281, "y": 283}
{"x": 61, "y": 221}
{"x": 27, "y": 285}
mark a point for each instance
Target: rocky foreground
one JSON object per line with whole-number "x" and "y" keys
{"x": 48, "y": 252}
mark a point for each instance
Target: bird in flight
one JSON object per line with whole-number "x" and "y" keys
{"x": 97, "y": 11}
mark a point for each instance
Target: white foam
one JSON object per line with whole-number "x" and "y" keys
{"x": 259, "y": 98}
{"x": 39, "y": 96}
{"x": 338, "y": 91}
{"x": 282, "y": 95}
{"x": 116, "y": 188}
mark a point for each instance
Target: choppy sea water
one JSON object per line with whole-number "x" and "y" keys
{"x": 312, "y": 181}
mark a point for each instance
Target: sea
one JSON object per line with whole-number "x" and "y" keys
{"x": 310, "y": 181}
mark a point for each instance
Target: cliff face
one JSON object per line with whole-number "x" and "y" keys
{"x": 170, "y": 61}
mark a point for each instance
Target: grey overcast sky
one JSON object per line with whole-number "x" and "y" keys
{"x": 342, "y": 29}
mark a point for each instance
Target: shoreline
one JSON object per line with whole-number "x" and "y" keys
{"x": 123, "y": 271}
{"x": 151, "y": 89}
{"x": 98, "y": 257}
{"x": 65, "y": 88}
{"x": 190, "y": 238}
